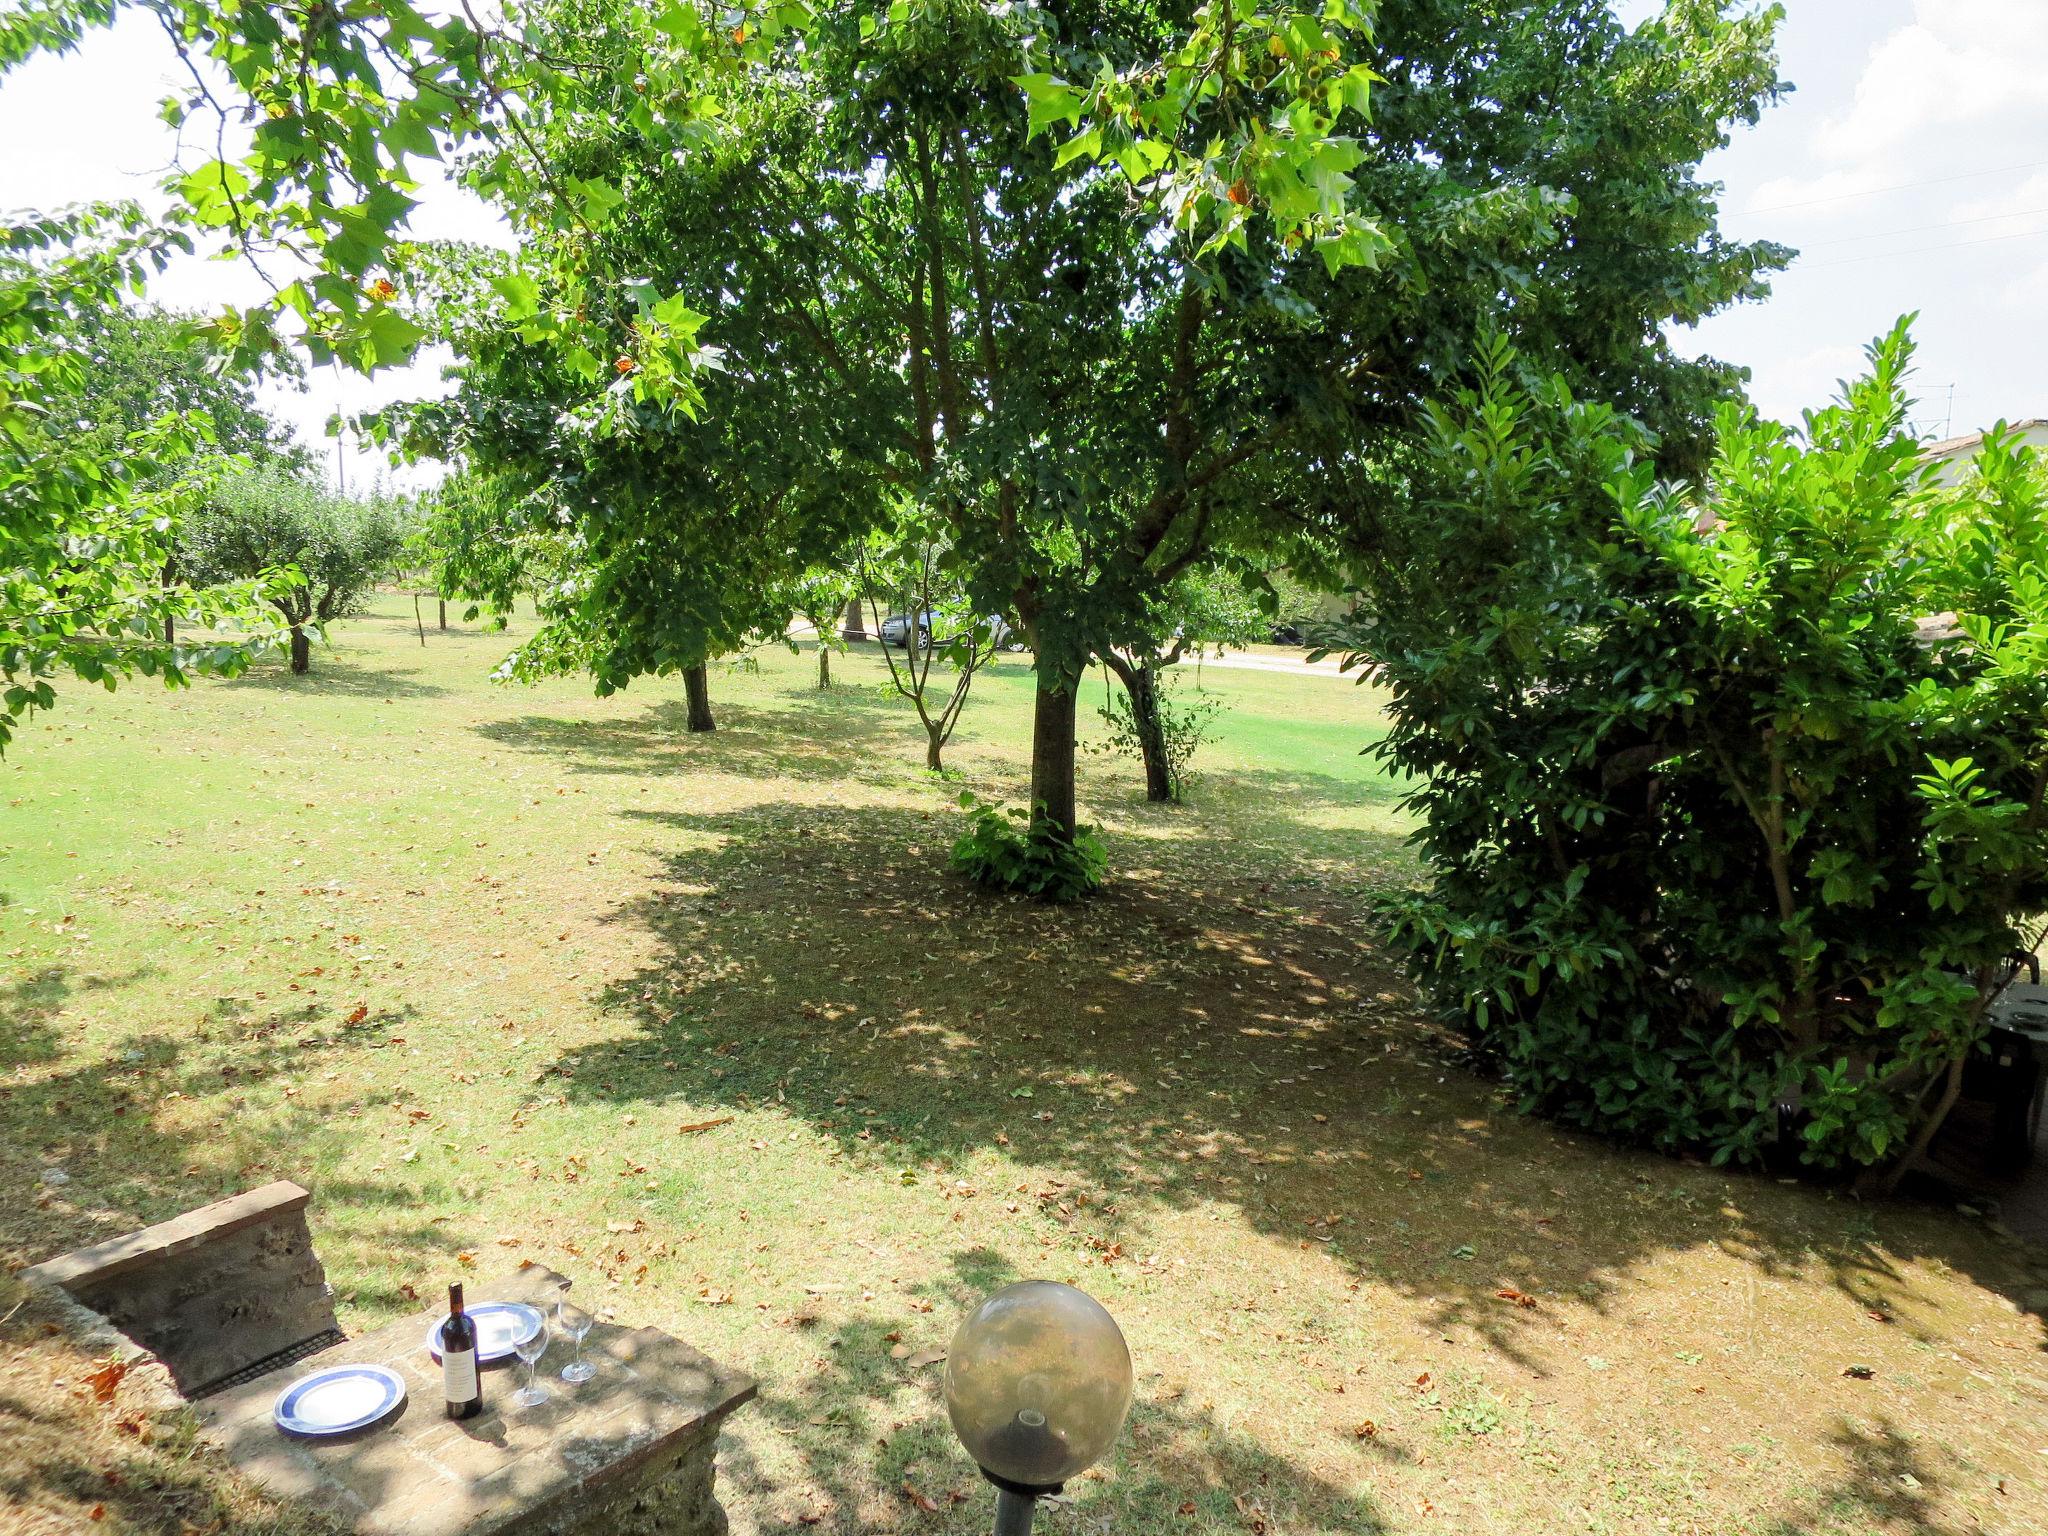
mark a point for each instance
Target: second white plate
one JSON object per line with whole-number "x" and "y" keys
{"x": 501, "y": 1327}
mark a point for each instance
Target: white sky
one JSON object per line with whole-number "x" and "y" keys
{"x": 1910, "y": 167}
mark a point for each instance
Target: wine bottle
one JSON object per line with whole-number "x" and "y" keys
{"x": 461, "y": 1383}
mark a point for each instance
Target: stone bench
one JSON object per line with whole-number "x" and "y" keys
{"x": 628, "y": 1453}
{"x": 212, "y": 1293}
{"x": 233, "y": 1301}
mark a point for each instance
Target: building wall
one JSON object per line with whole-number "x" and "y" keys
{"x": 1953, "y": 466}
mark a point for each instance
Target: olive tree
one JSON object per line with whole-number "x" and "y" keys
{"x": 270, "y": 518}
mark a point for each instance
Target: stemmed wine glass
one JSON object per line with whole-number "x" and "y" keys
{"x": 575, "y": 1322}
{"x": 530, "y": 1350}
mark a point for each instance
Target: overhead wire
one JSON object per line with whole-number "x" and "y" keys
{"x": 1904, "y": 186}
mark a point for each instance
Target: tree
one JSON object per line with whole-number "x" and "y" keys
{"x": 654, "y": 541}
{"x": 940, "y": 626}
{"x": 89, "y": 522}
{"x": 270, "y": 518}
{"x": 1203, "y": 608}
{"x": 140, "y": 365}
{"x": 1730, "y": 800}
{"x": 818, "y": 597}
{"x": 1103, "y": 359}
{"x": 1116, "y": 292}
{"x": 143, "y": 366}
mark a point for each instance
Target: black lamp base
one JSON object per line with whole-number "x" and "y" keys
{"x": 1023, "y": 1490}
{"x": 1014, "y": 1512}
{"x": 1017, "y": 1503}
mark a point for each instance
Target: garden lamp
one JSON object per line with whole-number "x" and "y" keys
{"x": 1037, "y": 1382}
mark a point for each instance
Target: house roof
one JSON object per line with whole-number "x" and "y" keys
{"x": 1970, "y": 442}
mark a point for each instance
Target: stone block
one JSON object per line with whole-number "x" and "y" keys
{"x": 209, "y": 1292}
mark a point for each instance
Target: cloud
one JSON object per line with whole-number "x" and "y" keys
{"x": 1958, "y": 63}
{"x": 2026, "y": 196}
{"x": 1783, "y": 191}
{"x": 1955, "y": 91}
{"x": 2026, "y": 294}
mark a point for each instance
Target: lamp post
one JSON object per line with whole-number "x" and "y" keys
{"x": 1038, "y": 1382}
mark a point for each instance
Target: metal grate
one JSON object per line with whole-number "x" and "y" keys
{"x": 297, "y": 1352}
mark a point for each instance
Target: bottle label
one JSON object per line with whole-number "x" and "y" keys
{"x": 458, "y": 1375}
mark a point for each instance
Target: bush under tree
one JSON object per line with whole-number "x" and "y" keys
{"x": 1731, "y": 802}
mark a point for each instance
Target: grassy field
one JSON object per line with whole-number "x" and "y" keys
{"x": 471, "y": 963}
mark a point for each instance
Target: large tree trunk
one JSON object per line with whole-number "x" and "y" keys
{"x": 1052, "y": 756}
{"x": 302, "y": 649}
{"x": 856, "y": 626}
{"x": 1141, "y": 685}
{"x": 932, "y": 748}
{"x": 824, "y": 662}
{"x": 697, "y": 685}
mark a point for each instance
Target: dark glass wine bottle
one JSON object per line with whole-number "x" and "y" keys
{"x": 461, "y": 1382}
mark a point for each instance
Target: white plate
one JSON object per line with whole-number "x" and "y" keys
{"x": 501, "y": 1327}
{"x": 337, "y": 1400}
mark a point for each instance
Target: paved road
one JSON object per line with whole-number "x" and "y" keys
{"x": 1240, "y": 661}
{"x": 1253, "y": 661}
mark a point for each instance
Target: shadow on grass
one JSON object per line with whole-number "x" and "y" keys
{"x": 850, "y": 732}
{"x": 338, "y": 672}
{"x": 108, "y": 1126}
{"x": 1174, "y": 1044}
{"x": 1288, "y": 789}
{"x": 1890, "y": 1485}
{"x": 861, "y": 1465}
{"x": 29, "y": 1008}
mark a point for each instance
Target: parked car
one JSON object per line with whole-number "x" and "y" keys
{"x": 896, "y": 631}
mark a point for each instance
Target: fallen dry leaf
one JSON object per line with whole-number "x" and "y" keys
{"x": 106, "y": 1380}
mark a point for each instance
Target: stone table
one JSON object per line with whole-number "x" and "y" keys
{"x": 628, "y": 1452}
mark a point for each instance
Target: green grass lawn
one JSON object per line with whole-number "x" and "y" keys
{"x": 507, "y": 973}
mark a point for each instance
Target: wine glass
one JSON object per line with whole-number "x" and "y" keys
{"x": 530, "y": 1350}
{"x": 575, "y": 1322}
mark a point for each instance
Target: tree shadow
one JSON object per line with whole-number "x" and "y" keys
{"x": 106, "y": 1128}
{"x": 30, "y": 1008}
{"x": 860, "y": 1444}
{"x": 1287, "y": 790}
{"x": 853, "y": 734}
{"x": 1890, "y": 1484}
{"x": 1174, "y": 1043}
{"x": 335, "y": 671}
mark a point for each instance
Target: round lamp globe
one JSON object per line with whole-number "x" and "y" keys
{"x": 1038, "y": 1382}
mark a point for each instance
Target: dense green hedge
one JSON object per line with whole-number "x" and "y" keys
{"x": 1728, "y": 796}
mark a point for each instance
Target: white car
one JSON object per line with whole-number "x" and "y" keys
{"x": 896, "y": 631}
